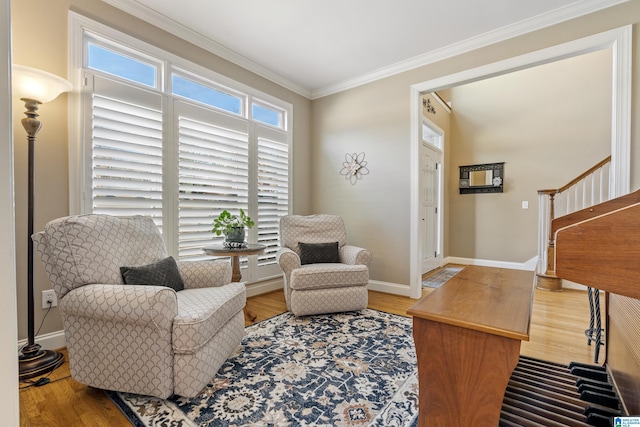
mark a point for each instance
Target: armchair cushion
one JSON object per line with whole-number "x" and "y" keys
{"x": 325, "y": 276}
{"x": 162, "y": 273}
{"x": 313, "y": 253}
{"x": 202, "y": 312}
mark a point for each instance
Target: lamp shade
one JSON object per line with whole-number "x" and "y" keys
{"x": 39, "y": 85}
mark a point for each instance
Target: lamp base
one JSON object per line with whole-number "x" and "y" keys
{"x": 34, "y": 362}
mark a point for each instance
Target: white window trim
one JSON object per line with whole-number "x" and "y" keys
{"x": 77, "y": 25}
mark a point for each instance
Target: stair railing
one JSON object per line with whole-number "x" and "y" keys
{"x": 587, "y": 189}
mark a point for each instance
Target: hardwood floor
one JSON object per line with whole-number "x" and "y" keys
{"x": 557, "y": 334}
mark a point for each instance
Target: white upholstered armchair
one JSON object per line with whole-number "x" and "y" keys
{"x": 322, "y": 274}
{"x": 124, "y": 334}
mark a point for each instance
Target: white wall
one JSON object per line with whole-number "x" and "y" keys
{"x": 9, "y": 404}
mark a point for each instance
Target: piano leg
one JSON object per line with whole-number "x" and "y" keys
{"x": 594, "y": 333}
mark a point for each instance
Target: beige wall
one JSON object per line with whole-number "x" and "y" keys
{"x": 40, "y": 40}
{"x": 372, "y": 119}
{"x": 375, "y": 118}
{"x": 548, "y": 124}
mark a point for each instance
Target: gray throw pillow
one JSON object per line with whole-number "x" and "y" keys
{"x": 162, "y": 273}
{"x": 314, "y": 253}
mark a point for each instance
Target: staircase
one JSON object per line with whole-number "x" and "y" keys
{"x": 588, "y": 189}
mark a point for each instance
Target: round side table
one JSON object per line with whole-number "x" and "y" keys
{"x": 235, "y": 254}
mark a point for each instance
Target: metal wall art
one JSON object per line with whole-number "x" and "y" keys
{"x": 426, "y": 103}
{"x": 354, "y": 167}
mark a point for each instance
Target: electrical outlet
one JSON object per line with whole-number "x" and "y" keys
{"x": 49, "y": 299}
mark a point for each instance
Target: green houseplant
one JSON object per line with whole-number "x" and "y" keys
{"x": 232, "y": 226}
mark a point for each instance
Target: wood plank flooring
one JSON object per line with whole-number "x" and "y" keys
{"x": 557, "y": 334}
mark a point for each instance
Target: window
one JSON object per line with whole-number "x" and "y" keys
{"x": 121, "y": 65}
{"x": 431, "y": 136}
{"x": 180, "y": 150}
{"x": 205, "y": 94}
{"x": 268, "y": 115}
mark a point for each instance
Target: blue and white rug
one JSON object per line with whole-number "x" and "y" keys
{"x": 346, "y": 369}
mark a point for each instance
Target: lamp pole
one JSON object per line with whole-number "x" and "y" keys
{"x": 33, "y": 361}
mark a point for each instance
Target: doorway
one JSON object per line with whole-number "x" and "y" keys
{"x": 618, "y": 39}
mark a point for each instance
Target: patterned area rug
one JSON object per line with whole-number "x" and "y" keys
{"x": 347, "y": 369}
{"x": 437, "y": 279}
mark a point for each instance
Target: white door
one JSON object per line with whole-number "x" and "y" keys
{"x": 430, "y": 197}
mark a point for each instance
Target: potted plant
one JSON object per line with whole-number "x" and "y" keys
{"x": 232, "y": 226}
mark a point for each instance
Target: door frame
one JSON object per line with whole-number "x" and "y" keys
{"x": 619, "y": 40}
{"x": 439, "y": 151}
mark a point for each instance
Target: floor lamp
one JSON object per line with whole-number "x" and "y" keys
{"x": 34, "y": 87}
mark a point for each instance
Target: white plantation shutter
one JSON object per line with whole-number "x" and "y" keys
{"x": 153, "y": 145}
{"x": 126, "y": 149}
{"x": 213, "y": 173}
{"x": 273, "y": 193}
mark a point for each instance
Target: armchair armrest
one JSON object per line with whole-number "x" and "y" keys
{"x": 134, "y": 304}
{"x": 355, "y": 255}
{"x": 287, "y": 259}
{"x": 204, "y": 274}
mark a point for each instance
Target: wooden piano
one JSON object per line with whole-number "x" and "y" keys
{"x": 598, "y": 247}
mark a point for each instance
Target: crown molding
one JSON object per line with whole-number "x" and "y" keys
{"x": 146, "y": 14}
{"x": 544, "y": 20}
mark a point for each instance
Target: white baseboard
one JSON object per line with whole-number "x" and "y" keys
{"x": 529, "y": 265}
{"x": 269, "y": 285}
{"x": 51, "y": 341}
{"x": 389, "y": 288}
{"x": 275, "y": 284}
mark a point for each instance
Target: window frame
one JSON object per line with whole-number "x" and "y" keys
{"x": 83, "y": 30}
{"x": 98, "y": 41}
{"x": 197, "y": 79}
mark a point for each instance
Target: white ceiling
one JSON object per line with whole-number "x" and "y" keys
{"x": 318, "y": 47}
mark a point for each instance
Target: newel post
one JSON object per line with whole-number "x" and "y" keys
{"x": 547, "y": 280}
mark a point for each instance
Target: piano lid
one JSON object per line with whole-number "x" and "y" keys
{"x": 602, "y": 248}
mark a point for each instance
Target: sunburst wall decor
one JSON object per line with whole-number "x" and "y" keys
{"x": 354, "y": 167}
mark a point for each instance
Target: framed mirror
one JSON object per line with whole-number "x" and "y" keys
{"x": 485, "y": 178}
